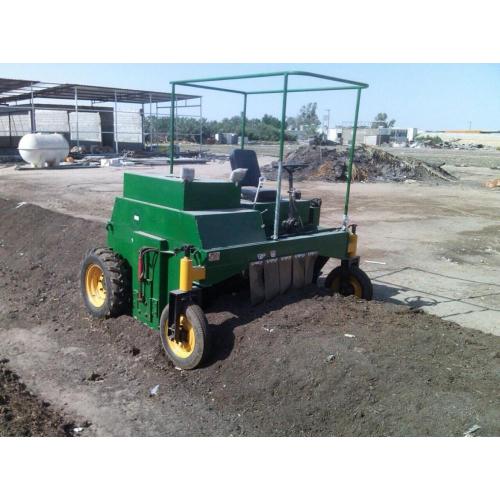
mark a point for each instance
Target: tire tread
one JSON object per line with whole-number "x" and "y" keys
{"x": 117, "y": 275}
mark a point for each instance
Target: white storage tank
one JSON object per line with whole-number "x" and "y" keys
{"x": 43, "y": 150}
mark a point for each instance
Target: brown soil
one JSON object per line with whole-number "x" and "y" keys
{"x": 23, "y": 414}
{"x": 304, "y": 364}
{"x": 370, "y": 164}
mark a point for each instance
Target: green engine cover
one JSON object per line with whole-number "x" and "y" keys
{"x": 173, "y": 192}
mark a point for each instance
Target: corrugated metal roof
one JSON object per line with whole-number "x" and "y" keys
{"x": 9, "y": 84}
{"x": 18, "y": 90}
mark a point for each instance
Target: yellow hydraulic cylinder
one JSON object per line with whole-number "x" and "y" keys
{"x": 352, "y": 245}
{"x": 189, "y": 273}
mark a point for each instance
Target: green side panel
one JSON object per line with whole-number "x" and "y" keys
{"x": 135, "y": 225}
{"x": 211, "y": 195}
{"x": 173, "y": 192}
{"x": 179, "y": 228}
{"x": 229, "y": 228}
{"x": 233, "y": 260}
{"x": 148, "y": 305}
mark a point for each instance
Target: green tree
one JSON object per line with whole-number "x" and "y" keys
{"x": 429, "y": 139}
{"x": 272, "y": 121}
{"x": 188, "y": 129}
{"x": 381, "y": 120}
{"x": 307, "y": 119}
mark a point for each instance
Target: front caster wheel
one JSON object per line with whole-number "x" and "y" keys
{"x": 353, "y": 282}
{"x": 194, "y": 347}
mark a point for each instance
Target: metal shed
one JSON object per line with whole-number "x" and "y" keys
{"x": 85, "y": 114}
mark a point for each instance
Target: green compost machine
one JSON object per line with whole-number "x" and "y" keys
{"x": 172, "y": 238}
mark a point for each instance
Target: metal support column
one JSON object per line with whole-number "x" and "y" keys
{"x": 172, "y": 128}
{"x": 33, "y": 120}
{"x": 280, "y": 164}
{"x": 157, "y": 128}
{"x": 201, "y": 126}
{"x": 150, "y": 123}
{"x": 345, "y": 219}
{"x": 142, "y": 126}
{"x": 76, "y": 118}
{"x": 243, "y": 121}
{"x": 116, "y": 125}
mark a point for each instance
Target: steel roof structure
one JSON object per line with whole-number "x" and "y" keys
{"x": 12, "y": 90}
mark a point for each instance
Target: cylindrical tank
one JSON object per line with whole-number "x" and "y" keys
{"x": 43, "y": 150}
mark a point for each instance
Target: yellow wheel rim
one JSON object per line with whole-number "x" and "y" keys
{"x": 185, "y": 348}
{"x": 358, "y": 291}
{"x": 356, "y": 285}
{"x": 95, "y": 285}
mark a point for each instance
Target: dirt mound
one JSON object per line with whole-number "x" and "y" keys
{"x": 23, "y": 414}
{"x": 330, "y": 365}
{"x": 370, "y": 164}
{"x": 322, "y": 365}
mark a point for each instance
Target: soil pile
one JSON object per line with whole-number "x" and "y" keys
{"x": 370, "y": 165}
{"x": 304, "y": 364}
{"x": 23, "y": 414}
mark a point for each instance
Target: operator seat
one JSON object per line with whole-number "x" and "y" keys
{"x": 246, "y": 158}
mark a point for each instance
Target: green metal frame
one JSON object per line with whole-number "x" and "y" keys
{"x": 161, "y": 214}
{"x": 200, "y": 83}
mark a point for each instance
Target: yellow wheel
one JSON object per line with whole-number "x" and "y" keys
{"x": 95, "y": 286}
{"x": 185, "y": 347}
{"x": 355, "y": 282}
{"x": 193, "y": 347}
{"x": 104, "y": 283}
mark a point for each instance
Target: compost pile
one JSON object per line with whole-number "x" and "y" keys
{"x": 304, "y": 364}
{"x": 370, "y": 165}
{"x": 23, "y": 414}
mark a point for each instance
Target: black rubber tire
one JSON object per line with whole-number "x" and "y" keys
{"x": 203, "y": 338}
{"x": 116, "y": 281}
{"x": 345, "y": 289}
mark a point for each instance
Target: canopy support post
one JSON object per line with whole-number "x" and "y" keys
{"x": 243, "y": 121}
{"x": 345, "y": 219}
{"x": 172, "y": 129}
{"x": 280, "y": 164}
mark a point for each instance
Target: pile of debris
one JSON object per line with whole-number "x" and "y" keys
{"x": 450, "y": 144}
{"x": 370, "y": 165}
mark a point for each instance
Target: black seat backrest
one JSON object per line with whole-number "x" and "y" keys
{"x": 246, "y": 158}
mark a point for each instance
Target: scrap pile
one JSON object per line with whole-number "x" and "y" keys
{"x": 437, "y": 143}
{"x": 370, "y": 165}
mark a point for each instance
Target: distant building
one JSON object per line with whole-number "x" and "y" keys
{"x": 335, "y": 134}
{"x": 226, "y": 138}
{"x": 372, "y": 136}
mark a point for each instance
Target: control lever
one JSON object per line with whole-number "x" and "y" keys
{"x": 259, "y": 187}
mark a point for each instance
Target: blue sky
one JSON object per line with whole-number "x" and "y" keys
{"x": 429, "y": 96}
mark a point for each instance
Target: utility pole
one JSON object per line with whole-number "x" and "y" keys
{"x": 326, "y": 123}
{"x": 470, "y": 125}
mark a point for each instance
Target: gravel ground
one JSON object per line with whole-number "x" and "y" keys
{"x": 308, "y": 364}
